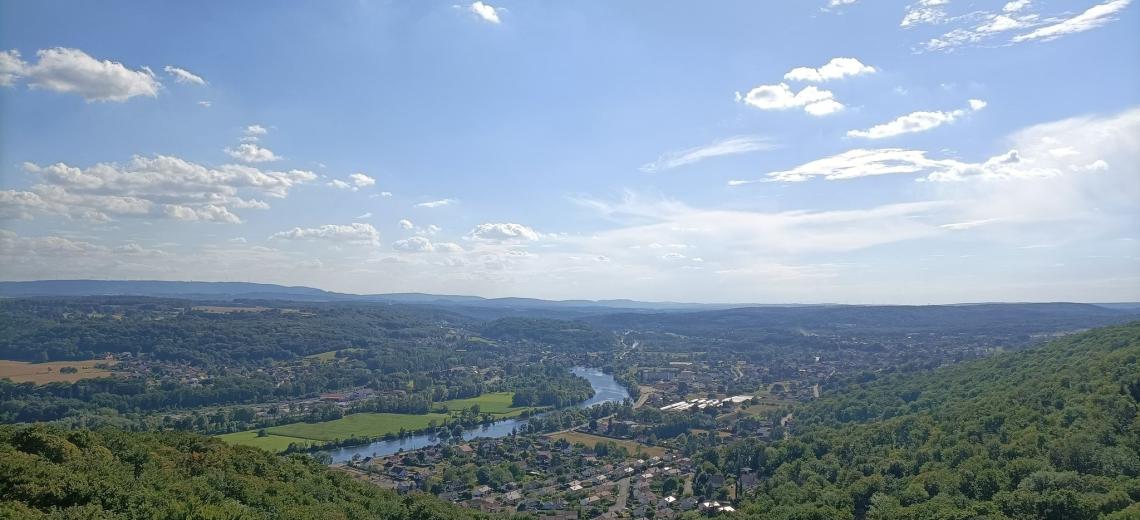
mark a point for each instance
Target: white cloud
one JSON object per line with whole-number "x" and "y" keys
{"x": 837, "y": 68}
{"x": 252, "y": 153}
{"x": 363, "y": 216}
{"x": 73, "y": 71}
{"x": 205, "y": 212}
{"x": 204, "y": 104}
{"x": 436, "y": 203}
{"x": 256, "y": 130}
{"x": 12, "y": 67}
{"x": 503, "y": 231}
{"x": 420, "y": 244}
{"x": 414, "y": 245}
{"x": 837, "y": 3}
{"x": 1092, "y": 18}
{"x": 915, "y": 122}
{"x": 357, "y": 233}
{"x": 340, "y": 185}
{"x": 925, "y": 12}
{"x": 184, "y": 76}
{"x": 969, "y": 224}
{"x": 857, "y": 163}
{"x": 484, "y": 11}
{"x": 361, "y": 180}
{"x": 730, "y": 146}
{"x": 980, "y": 27}
{"x": 1035, "y": 156}
{"x": 813, "y": 100}
{"x": 406, "y": 224}
{"x": 159, "y": 186}
{"x": 1015, "y": 5}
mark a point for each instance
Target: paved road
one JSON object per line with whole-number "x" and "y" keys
{"x": 623, "y": 495}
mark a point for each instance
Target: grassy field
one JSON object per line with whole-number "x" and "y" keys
{"x": 591, "y": 440}
{"x": 496, "y": 403}
{"x": 359, "y": 424}
{"x": 250, "y": 438}
{"x": 371, "y": 424}
{"x": 41, "y": 373}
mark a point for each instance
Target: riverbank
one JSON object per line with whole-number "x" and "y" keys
{"x": 385, "y": 433}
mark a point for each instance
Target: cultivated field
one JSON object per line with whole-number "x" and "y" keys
{"x": 41, "y": 373}
{"x": 591, "y": 440}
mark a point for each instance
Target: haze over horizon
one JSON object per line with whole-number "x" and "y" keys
{"x": 840, "y": 152}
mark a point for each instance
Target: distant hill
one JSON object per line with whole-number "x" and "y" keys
{"x": 253, "y": 291}
{"x": 671, "y": 313}
{"x": 997, "y": 318}
{"x": 218, "y": 290}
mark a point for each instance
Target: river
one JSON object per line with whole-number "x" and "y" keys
{"x": 606, "y": 389}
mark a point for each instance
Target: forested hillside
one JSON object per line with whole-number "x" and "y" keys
{"x": 53, "y": 473}
{"x": 1052, "y": 432}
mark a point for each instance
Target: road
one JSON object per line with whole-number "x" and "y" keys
{"x": 622, "y": 496}
{"x": 645, "y": 391}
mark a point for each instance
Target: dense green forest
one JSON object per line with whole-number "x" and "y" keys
{"x": 53, "y": 473}
{"x": 1052, "y": 432}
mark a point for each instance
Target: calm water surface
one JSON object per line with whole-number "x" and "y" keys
{"x": 606, "y": 390}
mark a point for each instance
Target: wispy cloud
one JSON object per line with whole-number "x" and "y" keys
{"x": 184, "y": 76}
{"x": 436, "y": 203}
{"x": 731, "y": 146}
{"x": 1092, "y": 18}
{"x": 916, "y": 122}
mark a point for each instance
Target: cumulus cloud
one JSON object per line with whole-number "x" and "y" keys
{"x": 916, "y": 122}
{"x": 252, "y": 153}
{"x": 811, "y": 99}
{"x": 160, "y": 186}
{"x": 361, "y": 180}
{"x": 837, "y": 68}
{"x": 436, "y": 203}
{"x": 183, "y": 75}
{"x": 421, "y": 244}
{"x": 406, "y": 224}
{"x": 1091, "y": 18}
{"x": 12, "y": 67}
{"x": 505, "y": 231}
{"x": 74, "y": 71}
{"x": 415, "y": 244}
{"x": 356, "y": 233}
{"x": 256, "y": 130}
{"x": 485, "y": 12}
{"x": 340, "y": 185}
{"x": 731, "y": 146}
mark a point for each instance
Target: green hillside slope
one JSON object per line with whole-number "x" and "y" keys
{"x": 1053, "y": 432}
{"x": 51, "y": 473}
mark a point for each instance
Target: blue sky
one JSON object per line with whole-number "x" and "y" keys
{"x": 861, "y": 152}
